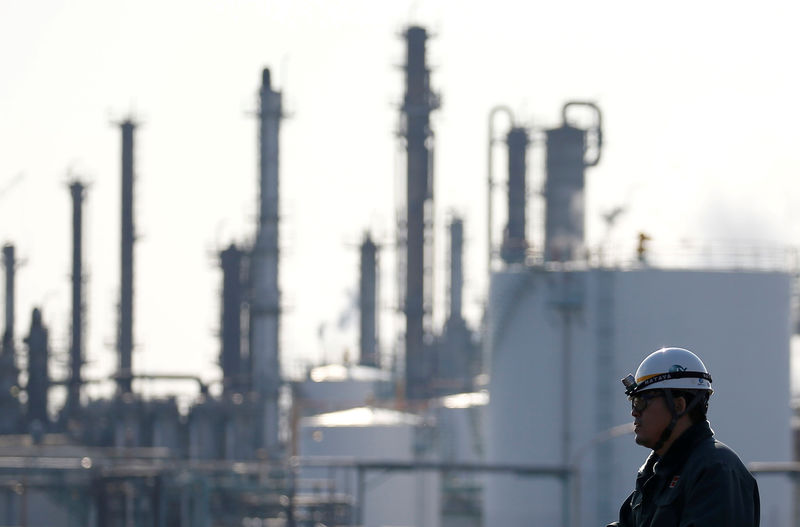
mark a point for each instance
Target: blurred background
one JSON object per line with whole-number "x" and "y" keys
{"x": 384, "y": 263}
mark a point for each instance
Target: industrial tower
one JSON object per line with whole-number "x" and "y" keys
{"x": 125, "y": 336}
{"x": 10, "y": 409}
{"x": 566, "y": 163}
{"x": 418, "y": 103}
{"x": 515, "y": 243}
{"x": 367, "y": 302}
{"x": 233, "y": 370}
{"x": 265, "y": 304}
{"x": 73, "y": 403}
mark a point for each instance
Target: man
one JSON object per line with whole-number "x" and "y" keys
{"x": 689, "y": 479}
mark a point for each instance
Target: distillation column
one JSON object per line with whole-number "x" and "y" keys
{"x": 565, "y": 180}
{"x": 38, "y": 375}
{"x": 367, "y": 302}
{"x": 456, "y": 269}
{"x": 73, "y": 402}
{"x": 514, "y": 239}
{"x": 125, "y": 336}
{"x": 10, "y": 410}
{"x": 265, "y": 303}
{"x": 418, "y": 103}
{"x": 231, "y": 323}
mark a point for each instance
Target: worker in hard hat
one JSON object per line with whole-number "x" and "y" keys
{"x": 689, "y": 478}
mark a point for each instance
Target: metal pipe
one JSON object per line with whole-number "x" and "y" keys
{"x": 598, "y": 129}
{"x": 490, "y": 189}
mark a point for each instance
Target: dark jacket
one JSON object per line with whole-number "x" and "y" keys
{"x": 700, "y": 482}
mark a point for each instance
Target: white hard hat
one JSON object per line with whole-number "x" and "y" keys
{"x": 671, "y": 368}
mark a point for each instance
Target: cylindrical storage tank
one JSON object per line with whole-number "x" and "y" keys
{"x": 374, "y": 435}
{"x": 737, "y": 322}
{"x": 563, "y": 191}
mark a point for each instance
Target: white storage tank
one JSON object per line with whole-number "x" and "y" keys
{"x": 336, "y": 387}
{"x": 379, "y": 435}
{"x": 560, "y": 341}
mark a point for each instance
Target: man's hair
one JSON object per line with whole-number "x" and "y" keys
{"x": 698, "y": 412}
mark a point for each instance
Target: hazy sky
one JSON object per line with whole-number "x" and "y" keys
{"x": 699, "y": 101}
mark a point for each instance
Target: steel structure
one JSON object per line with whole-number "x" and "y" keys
{"x": 418, "y": 103}
{"x": 367, "y": 303}
{"x": 125, "y": 335}
{"x": 265, "y": 307}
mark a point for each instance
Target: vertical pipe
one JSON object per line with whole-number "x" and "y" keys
{"x": 418, "y": 103}
{"x": 265, "y": 302}
{"x": 125, "y": 337}
{"x": 76, "y": 344}
{"x": 367, "y": 303}
{"x": 490, "y": 180}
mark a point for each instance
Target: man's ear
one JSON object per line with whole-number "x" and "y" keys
{"x": 680, "y": 404}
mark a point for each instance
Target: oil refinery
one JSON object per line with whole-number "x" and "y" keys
{"x": 521, "y": 421}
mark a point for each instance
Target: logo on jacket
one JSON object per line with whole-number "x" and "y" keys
{"x": 674, "y": 482}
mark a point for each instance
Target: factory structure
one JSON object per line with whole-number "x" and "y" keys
{"x": 519, "y": 422}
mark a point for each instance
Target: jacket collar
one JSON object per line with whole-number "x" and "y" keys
{"x": 679, "y": 451}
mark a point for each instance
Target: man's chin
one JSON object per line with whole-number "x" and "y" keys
{"x": 642, "y": 441}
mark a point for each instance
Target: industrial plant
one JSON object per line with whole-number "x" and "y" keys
{"x": 521, "y": 421}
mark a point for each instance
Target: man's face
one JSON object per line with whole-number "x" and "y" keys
{"x": 650, "y": 422}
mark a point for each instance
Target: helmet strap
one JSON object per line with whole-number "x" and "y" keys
{"x": 675, "y": 416}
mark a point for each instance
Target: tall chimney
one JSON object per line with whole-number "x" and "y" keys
{"x": 418, "y": 103}
{"x": 368, "y": 295}
{"x": 76, "y": 345}
{"x": 265, "y": 302}
{"x": 125, "y": 337}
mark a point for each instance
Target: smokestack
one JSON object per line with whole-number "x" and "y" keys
{"x": 418, "y": 103}
{"x": 76, "y": 345}
{"x": 265, "y": 302}
{"x": 456, "y": 268}
{"x": 125, "y": 337}
{"x": 514, "y": 241}
{"x": 231, "y": 324}
{"x": 368, "y": 294}
{"x": 38, "y": 376}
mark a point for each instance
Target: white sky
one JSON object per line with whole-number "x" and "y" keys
{"x": 700, "y": 108}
